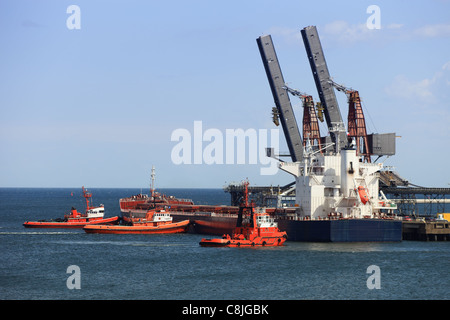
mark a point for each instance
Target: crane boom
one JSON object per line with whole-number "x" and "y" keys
{"x": 325, "y": 89}
{"x": 280, "y": 95}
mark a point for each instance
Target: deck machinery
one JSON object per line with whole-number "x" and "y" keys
{"x": 337, "y": 185}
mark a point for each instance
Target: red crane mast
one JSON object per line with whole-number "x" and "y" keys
{"x": 356, "y": 121}
{"x": 311, "y": 130}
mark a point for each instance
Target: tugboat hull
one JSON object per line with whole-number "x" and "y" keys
{"x": 177, "y": 227}
{"x": 69, "y": 224}
{"x": 258, "y": 242}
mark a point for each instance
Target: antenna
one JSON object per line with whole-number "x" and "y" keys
{"x": 152, "y": 187}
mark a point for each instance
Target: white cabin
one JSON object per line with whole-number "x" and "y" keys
{"x": 97, "y": 212}
{"x": 162, "y": 216}
{"x": 264, "y": 220}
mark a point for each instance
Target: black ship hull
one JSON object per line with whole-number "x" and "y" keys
{"x": 340, "y": 230}
{"x": 343, "y": 230}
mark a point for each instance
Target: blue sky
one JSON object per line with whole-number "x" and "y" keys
{"x": 97, "y": 106}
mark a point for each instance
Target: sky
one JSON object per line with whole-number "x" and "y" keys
{"x": 99, "y": 105}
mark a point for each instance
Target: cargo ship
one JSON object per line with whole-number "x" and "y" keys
{"x": 336, "y": 201}
{"x": 337, "y": 196}
{"x": 137, "y": 206}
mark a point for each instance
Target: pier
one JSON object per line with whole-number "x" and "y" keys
{"x": 426, "y": 230}
{"x": 413, "y": 200}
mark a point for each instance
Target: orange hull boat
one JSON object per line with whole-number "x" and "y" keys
{"x": 75, "y": 219}
{"x": 177, "y": 227}
{"x": 255, "y": 229}
{"x": 155, "y": 222}
{"x": 76, "y": 223}
{"x": 227, "y": 241}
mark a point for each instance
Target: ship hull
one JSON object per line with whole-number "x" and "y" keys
{"x": 177, "y": 227}
{"x": 235, "y": 243}
{"x": 342, "y": 230}
{"x": 69, "y": 224}
{"x": 214, "y": 226}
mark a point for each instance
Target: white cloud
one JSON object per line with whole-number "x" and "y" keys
{"x": 430, "y": 90}
{"x": 344, "y": 33}
{"x": 289, "y": 35}
{"x": 446, "y": 66}
{"x": 404, "y": 88}
{"x": 336, "y": 31}
{"x": 31, "y": 24}
{"x": 421, "y": 110}
{"x": 433, "y": 31}
{"x": 394, "y": 26}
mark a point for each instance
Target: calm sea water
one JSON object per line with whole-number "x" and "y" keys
{"x": 34, "y": 262}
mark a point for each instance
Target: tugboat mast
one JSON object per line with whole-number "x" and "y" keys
{"x": 87, "y": 196}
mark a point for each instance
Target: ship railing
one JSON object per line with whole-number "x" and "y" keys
{"x": 184, "y": 200}
{"x": 382, "y": 204}
{"x": 229, "y": 215}
{"x": 208, "y": 214}
{"x": 334, "y": 217}
{"x": 197, "y": 212}
{"x": 187, "y": 213}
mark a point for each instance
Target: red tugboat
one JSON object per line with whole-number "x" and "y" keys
{"x": 155, "y": 222}
{"x": 254, "y": 227}
{"x": 75, "y": 219}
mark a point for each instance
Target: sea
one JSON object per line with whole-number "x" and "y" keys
{"x": 68, "y": 264}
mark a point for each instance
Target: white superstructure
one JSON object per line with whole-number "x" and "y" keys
{"x": 162, "y": 216}
{"x": 97, "y": 212}
{"x": 337, "y": 185}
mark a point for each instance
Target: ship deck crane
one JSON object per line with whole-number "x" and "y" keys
{"x": 380, "y": 144}
{"x": 325, "y": 89}
{"x": 356, "y": 121}
{"x": 281, "y": 98}
{"x": 311, "y": 129}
